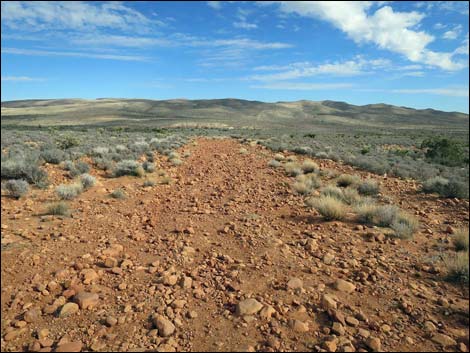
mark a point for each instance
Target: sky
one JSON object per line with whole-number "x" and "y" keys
{"x": 412, "y": 54}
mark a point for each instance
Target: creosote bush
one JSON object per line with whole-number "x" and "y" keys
{"x": 329, "y": 207}
{"x": 16, "y": 188}
{"x": 57, "y": 209}
{"x": 69, "y": 192}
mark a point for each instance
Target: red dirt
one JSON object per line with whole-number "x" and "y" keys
{"x": 235, "y": 227}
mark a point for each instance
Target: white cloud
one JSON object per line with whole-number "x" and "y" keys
{"x": 453, "y": 33}
{"x": 217, "y": 5}
{"x": 245, "y": 25}
{"x": 120, "y": 41}
{"x": 33, "y": 52}
{"x": 78, "y": 15}
{"x": 389, "y": 30}
{"x": 21, "y": 79}
{"x": 453, "y": 92}
{"x": 463, "y": 49}
{"x": 358, "y": 66}
{"x": 299, "y": 86}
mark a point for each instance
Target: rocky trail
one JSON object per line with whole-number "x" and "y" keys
{"x": 225, "y": 258}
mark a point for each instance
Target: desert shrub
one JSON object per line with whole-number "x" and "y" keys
{"x": 302, "y": 150}
{"x": 368, "y": 188}
{"x": 293, "y": 168}
{"x": 279, "y": 157}
{"x": 366, "y": 213}
{"x": 149, "y": 182}
{"x": 460, "y": 239}
{"x": 321, "y": 155}
{"x": 404, "y": 226}
{"x": 103, "y": 163}
{"x": 53, "y": 156}
{"x": 68, "y": 141}
{"x": 457, "y": 267}
{"x": 446, "y": 188}
{"x": 445, "y": 151}
{"x": 23, "y": 168}
{"x": 291, "y": 158}
{"x": 17, "y": 188}
{"x": 243, "y": 151}
{"x": 69, "y": 192}
{"x": 385, "y": 215}
{"x": 176, "y": 161}
{"x": 57, "y": 209}
{"x": 118, "y": 194}
{"x": 435, "y": 185}
{"x": 120, "y": 148}
{"x": 68, "y": 165}
{"x": 128, "y": 167}
{"x": 274, "y": 163}
{"x": 148, "y": 167}
{"x": 309, "y": 166}
{"x": 82, "y": 167}
{"x": 351, "y": 196}
{"x": 345, "y": 180}
{"x": 100, "y": 151}
{"x": 173, "y": 155}
{"x": 456, "y": 188}
{"x": 165, "y": 180}
{"x": 306, "y": 183}
{"x": 332, "y": 191}
{"x": 139, "y": 147}
{"x": 329, "y": 207}
{"x": 87, "y": 181}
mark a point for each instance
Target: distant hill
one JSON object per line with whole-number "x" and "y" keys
{"x": 229, "y": 112}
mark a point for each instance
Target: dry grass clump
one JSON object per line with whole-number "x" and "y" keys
{"x": 279, "y": 157}
{"x": 118, "y": 194}
{"x": 149, "y": 182}
{"x": 292, "y": 158}
{"x": 457, "y": 267}
{"x": 404, "y": 226}
{"x": 345, "y": 180}
{"x": 329, "y": 207}
{"x": 274, "y": 163}
{"x": 366, "y": 213}
{"x": 57, "y": 209}
{"x": 176, "y": 161}
{"x": 351, "y": 196}
{"x": 309, "y": 166}
{"x": 461, "y": 239}
{"x": 293, "y": 168}
{"x": 305, "y": 184}
{"x": 368, "y": 188}
{"x": 165, "y": 180}
{"x": 69, "y": 192}
{"x": 243, "y": 151}
{"x": 332, "y": 191}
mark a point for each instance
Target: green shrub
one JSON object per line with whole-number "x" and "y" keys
{"x": 368, "y": 188}
{"x": 345, "y": 180}
{"x": 57, "y": 209}
{"x": 329, "y": 207}
{"x": 17, "y": 188}
{"x": 445, "y": 151}
{"x": 461, "y": 239}
{"x": 69, "y": 192}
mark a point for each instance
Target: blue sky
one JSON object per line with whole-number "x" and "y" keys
{"x": 412, "y": 54}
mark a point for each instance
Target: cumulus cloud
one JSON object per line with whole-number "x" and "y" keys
{"x": 388, "y": 29}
